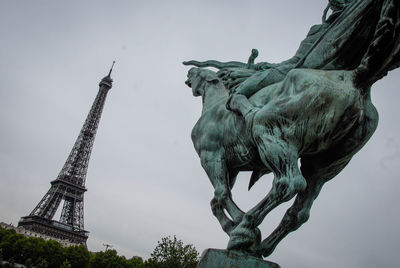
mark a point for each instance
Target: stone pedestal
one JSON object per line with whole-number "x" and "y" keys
{"x": 218, "y": 258}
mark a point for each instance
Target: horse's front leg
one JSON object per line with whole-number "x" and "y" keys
{"x": 216, "y": 169}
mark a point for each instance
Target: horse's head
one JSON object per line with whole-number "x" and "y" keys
{"x": 200, "y": 79}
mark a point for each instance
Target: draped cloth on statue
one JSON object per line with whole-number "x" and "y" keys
{"x": 346, "y": 41}
{"x": 342, "y": 44}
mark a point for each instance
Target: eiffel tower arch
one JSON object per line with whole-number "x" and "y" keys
{"x": 69, "y": 187}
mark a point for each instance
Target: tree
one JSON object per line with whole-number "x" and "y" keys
{"x": 172, "y": 253}
{"x": 110, "y": 259}
{"x": 42, "y": 263}
{"x": 10, "y": 246}
{"x": 135, "y": 262}
{"x": 77, "y": 256}
{"x": 66, "y": 264}
{"x": 53, "y": 252}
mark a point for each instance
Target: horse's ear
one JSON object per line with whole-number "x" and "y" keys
{"x": 212, "y": 79}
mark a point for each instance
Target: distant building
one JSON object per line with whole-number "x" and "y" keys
{"x": 29, "y": 233}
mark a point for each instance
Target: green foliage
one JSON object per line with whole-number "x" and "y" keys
{"x": 135, "y": 261}
{"x": 65, "y": 264}
{"x": 110, "y": 259}
{"x": 12, "y": 247}
{"x": 78, "y": 256}
{"x": 42, "y": 263}
{"x": 172, "y": 253}
{"x": 53, "y": 252}
{"x": 37, "y": 252}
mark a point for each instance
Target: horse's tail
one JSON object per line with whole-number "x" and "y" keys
{"x": 216, "y": 64}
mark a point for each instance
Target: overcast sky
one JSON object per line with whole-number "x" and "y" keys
{"x": 144, "y": 179}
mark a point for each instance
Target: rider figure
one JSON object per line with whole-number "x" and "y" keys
{"x": 270, "y": 73}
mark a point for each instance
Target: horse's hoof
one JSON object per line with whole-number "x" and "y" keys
{"x": 240, "y": 240}
{"x": 244, "y": 239}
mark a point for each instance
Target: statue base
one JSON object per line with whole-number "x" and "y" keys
{"x": 219, "y": 258}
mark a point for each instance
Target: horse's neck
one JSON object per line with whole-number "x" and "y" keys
{"x": 213, "y": 95}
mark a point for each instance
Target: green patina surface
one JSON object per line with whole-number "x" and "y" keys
{"x": 315, "y": 107}
{"x": 216, "y": 258}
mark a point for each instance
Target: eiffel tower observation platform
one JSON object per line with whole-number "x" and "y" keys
{"x": 52, "y": 228}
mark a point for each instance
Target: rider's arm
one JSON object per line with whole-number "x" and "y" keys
{"x": 305, "y": 45}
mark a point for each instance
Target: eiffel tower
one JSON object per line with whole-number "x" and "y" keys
{"x": 69, "y": 186}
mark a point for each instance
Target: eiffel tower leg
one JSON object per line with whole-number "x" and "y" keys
{"x": 47, "y": 207}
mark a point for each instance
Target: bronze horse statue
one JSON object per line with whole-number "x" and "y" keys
{"x": 320, "y": 117}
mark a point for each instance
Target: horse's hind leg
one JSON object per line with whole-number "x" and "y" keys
{"x": 280, "y": 157}
{"x": 294, "y": 217}
{"x": 316, "y": 174}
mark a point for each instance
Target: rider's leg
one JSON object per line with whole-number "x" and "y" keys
{"x": 241, "y": 105}
{"x": 238, "y": 101}
{"x": 252, "y": 84}
{"x": 259, "y": 80}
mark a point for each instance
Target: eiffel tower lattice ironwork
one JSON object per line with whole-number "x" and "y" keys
{"x": 69, "y": 186}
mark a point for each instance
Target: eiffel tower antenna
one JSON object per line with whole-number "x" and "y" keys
{"x": 69, "y": 186}
{"x": 112, "y": 66}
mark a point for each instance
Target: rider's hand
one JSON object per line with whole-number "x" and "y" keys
{"x": 263, "y": 66}
{"x": 232, "y": 77}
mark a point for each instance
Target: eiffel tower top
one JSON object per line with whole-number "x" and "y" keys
{"x": 107, "y": 81}
{"x": 75, "y": 168}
